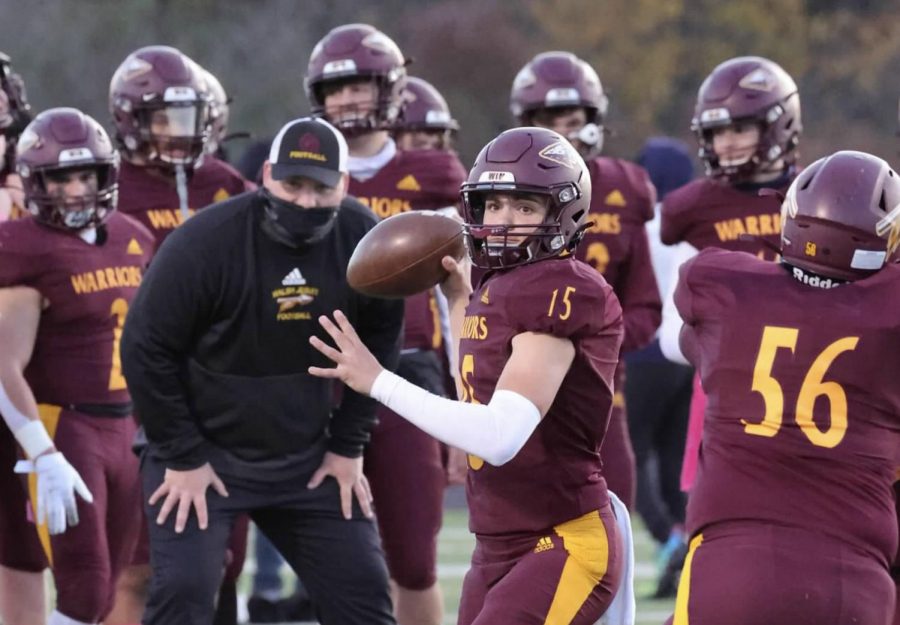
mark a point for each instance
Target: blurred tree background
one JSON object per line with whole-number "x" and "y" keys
{"x": 650, "y": 54}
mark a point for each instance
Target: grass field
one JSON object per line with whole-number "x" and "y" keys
{"x": 455, "y": 547}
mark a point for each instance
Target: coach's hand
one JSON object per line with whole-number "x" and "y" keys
{"x": 349, "y": 475}
{"x": 183, "y": 489}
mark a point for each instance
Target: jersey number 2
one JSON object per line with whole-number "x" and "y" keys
{"x": 119, "y": 310}
{"x": 775, "y": 338}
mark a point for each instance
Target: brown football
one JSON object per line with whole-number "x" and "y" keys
{"x": 401, "y": 256}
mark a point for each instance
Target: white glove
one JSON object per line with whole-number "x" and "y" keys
{"x": 57, "y": 483}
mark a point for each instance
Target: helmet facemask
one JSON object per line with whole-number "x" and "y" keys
{"x": 174, "y": 132}
{"x": 50, "y": 204}
{"x": 497, "y": 246}
{"x": 772, "y": 153}
{"x": 378, "y": 113}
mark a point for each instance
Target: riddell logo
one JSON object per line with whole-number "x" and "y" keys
{"x": 813, "y": 280}
{"x": 308, "y": 142}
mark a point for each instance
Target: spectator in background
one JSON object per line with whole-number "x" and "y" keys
{"x": 658, "y": 392}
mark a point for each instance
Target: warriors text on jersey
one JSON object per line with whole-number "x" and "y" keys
{"x": 87, "y": 289}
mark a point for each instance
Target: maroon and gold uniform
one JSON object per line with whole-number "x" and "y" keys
{"x": 616, "y": 245}
{"x": 714, "y": 213}
{"x": 547, "y": 545}
{"x": 152, "y": 199}
{"x": 75, "y": 375}
{"x": 401, "y": 459}
{"x": 792, "y": 514}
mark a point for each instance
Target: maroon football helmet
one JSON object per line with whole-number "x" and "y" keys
{"x": 354, "y": 52}
{"x": 160, "y": 85}
{"x": 749, "y": 89}
{"x": 535, "y": 161}
{"x": 561, "y": 80}
{"x": 426, "y": 110}
{"x": 841, "y": 216}
{"x": 63, "y": 141}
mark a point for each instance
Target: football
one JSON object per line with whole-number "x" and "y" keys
{"x": 401, "y": 256}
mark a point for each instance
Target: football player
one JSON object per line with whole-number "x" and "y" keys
{"x": 426, "y": 122}
{"x": 21, "y": 556}
{"x": 557, "y": 90}
{"x": 792, "y": 512}
{"x": 166, "y": 112}
{"x": 747, "y": 122}
{"x": 355, "y": 80}
{"x": 657, "y": 421}
{"x": 547, "y": 546}
{"x": 67, "y": 275}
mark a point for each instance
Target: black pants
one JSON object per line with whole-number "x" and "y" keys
{"x": 340, "y": 561}
{"x": 658, "y": 396}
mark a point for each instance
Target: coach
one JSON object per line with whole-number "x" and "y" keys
{"x": 215, "y": 351}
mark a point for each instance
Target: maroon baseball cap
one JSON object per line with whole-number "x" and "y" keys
{"x": 309, "y": 147}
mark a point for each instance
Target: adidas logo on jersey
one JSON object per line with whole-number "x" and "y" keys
{"x": 294, "y": 278}
{"x": 615, "y": 198}
{"x": 543, "y": 544}
{"x": 134, "y": 248}
{"x": 485, "y": 298}
{"x": 409, "y": 183}
{"x": 221, "y": 195}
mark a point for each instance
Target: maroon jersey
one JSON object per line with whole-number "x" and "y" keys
{"x": 616, "y": 245}
{"x": 557, "y": 476}
{"x": 414, "y": 180}
{"x": 87, "y": 289}
{"x": 802, "y": 428}
{"x": 713, "y": 213}
{"x": 151, "y": 197}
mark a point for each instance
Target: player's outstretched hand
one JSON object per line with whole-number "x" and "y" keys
{"x": 349, "y": 475}
{"x": 459, "y": 283}
{"x": 57, "y": 484}
{"x": 356, "y": 366}
{"x": 183, "y": 489}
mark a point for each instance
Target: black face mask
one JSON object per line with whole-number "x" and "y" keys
{"x": 295, "y": 226}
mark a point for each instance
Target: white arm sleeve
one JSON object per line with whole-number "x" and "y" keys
{"x": 670, "y": 328}
{"x": 494, "y": 432}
